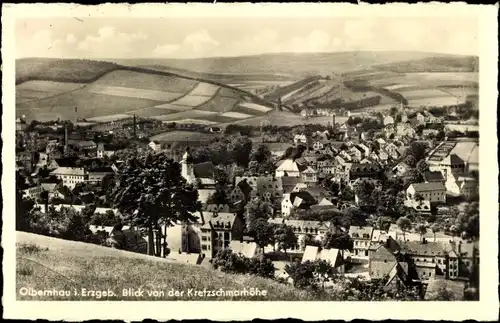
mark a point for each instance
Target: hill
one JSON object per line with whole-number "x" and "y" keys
{"x": 44, "y": 262}
{"x": 286, "y": 65}
{"x": 48, "y": 89}
{"x": 434, "y": 64}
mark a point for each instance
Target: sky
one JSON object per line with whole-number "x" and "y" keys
{"x": 214, "y": 37}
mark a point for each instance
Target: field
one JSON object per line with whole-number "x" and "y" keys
{"x": 464, "y": 79}
{"x": 219, "y": 104}
{"x": 61, "y": 70}
{"x": 183, "y": 115}
{"x": 236, "y": 115}
{"x": 192, "y": 100}
{"x": 68, "y": 265}
{"x": 151, "y": 112}
{"x": 173, "y": 107}
{"x": 147, "y": 81}
{"x": 109, "y": 118}
{"x": 34, "y": 90}
{"x": 134, "y": 93}
{"x": 182, "y": 136}
{"x": 255, "y": 107}
{"x": 89, "y": 105}
{"x": 108, "y": 90}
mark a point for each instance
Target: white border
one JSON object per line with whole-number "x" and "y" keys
{"x": 485, "y": 309}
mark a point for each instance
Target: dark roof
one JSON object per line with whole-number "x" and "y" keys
{"x": 318, "y": 192}
{"x": 454, "y": 159}
{"x": 425, "y": 187}
{"x": 425, "y": 249}
{"x": 357, "y": 167}
{"x": 433, "y": 176}
{"x": 66, "y": 161}
{"x": 204, "y": 170}
{"x": 245, "y": 188}
{"x": 290, "y": 182}
{"x": 104, "y": 169}
{"x": 308, "y": 199}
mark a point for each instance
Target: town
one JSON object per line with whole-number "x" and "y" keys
{"x": 390, "y": 198}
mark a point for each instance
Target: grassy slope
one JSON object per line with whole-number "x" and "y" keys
{"x": 68, "y": 265}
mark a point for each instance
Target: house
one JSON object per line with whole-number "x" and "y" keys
{"x": 290, "y": 168}
{"x": 400, "y": 169}
{"x": 430, "y": 132}
{"x": 296, "y": 200}
{"x": 278, "y": 149}
{"x": 420, "y": 118}
{"x": 333, "y": 256}
{"x": 361, "y": 236}
{"x": 96, "y": 175}
{"x": 85, "y": 145}
{"x": 434, "y": 192}
{"x": 240, "y": 192}
{"x": 155, "y": 145}
{"x": 356, "y": 170}
{"x": 431, "y": 177}
{"x": 457, "y": 185}
{"x": 355, "y": 153}
{"x": 455, "y": 289}
{"x": 218, "y": 208}
{"x": 388, "y": 120}
{"x": 247, "y": 249}
{"x": 303, "y": 228}
{"x": 201, "y": 172}
{"x": 268, "y": 188}
{"x": 431, "y": 259}
{"x": 309, "y": 175}
{"x": 70, "y": 176}
{"x": 290, "y": 183}
{"x": 364, "y": 149}
{"x": 383, "y": 264}
{"x": 320, "y": 144}
{"x": 218, "y": 231}
{"x": 405, "y": 130}
{"x": 381, "y": 142}
{"x": 300, "y": 139}
{"x": 383, "y": 156}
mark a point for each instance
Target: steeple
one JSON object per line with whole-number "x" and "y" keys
{"x": 187, "y": 169}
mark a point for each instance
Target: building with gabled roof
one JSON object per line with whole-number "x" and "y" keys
{"x": 333, "y": 256}
{"x": 361, "y": 236}
{"x": 290, "y": 168}
{"x": 434, "y": 192}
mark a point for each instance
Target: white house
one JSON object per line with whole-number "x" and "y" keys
{"x": 434, "y": 192}
{"x": 71, "y": 176}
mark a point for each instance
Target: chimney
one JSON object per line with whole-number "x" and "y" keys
{"x": 65, "y": 139}
{"x": 135, "y": 128}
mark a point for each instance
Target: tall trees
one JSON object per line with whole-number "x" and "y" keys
{"x": 338, "y": 239}
{"x": 421, "y": 230}
{"x": 285, "y": 237}
{"x": 404, "y": 224}
{"x": 152, "y": 193}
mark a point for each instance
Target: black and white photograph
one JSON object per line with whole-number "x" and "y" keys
{"x": 249, "y": 158}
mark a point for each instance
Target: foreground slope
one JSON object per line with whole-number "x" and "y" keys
{"x": 69, "y": 265}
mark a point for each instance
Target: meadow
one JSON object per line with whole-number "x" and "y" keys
{"x": 67, "y": 265}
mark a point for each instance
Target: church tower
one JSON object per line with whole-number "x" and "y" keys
{"x": 187, "y": 169}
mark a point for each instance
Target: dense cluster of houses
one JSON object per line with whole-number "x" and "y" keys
{"x": 295, "y": 185}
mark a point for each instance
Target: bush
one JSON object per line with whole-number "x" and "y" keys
{"x": 31, "y": 248}
{"x": 230, "y": 262}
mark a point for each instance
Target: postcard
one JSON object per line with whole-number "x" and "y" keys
{"x": 241, "y": 161}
